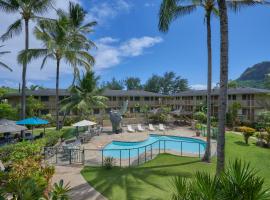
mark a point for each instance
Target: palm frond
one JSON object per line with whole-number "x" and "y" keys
{"x": 45, "y": 59}
{"x": 170, "y": 11}
{"x": 237, "y": 5}
{"x": 13, "y": 29}
{"x": 41, "y": 6}
{"x": 4, "y": 52}
{"x": 5, "y": 66}
{"x": 26, "y": 56}
{"x": 9, "y": 7}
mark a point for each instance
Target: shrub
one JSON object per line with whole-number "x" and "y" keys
{"x": 108, "y": 162}
{"x": 52, "y": 138}
{"x": 200, "y": 116}
{"x": 247, "y": 132}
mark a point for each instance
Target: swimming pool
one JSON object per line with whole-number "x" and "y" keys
{"x": 160, "y": 143}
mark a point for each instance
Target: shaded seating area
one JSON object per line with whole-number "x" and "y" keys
{"x": 10, "y": 132}
{"x": 92, "y": 130}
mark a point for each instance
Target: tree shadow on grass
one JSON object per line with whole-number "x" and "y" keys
{"x": 241, "y": 143}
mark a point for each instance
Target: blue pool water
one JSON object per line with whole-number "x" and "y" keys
{"x": 178, "y": 144}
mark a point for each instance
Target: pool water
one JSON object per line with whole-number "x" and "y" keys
{"x": 177, "y": 144}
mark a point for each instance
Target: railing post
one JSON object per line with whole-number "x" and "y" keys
{"x": 199, "y": 150}
{"x": 83, "y": 156}
{"x": 129, "y": 157}
{"x": 120, "y": 158}
{"x": 181, "y": 148}
{"x": 151, "y": 152}
{"x": 164, "y": 146}
{"x": 145, "y": 154}
{"x": 69, "y": 156}
{"x": 102, "y": 157}
{"x": 159, "y": 147}
{"x": 138, "y": 157}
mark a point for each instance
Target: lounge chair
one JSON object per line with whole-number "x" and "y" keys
{"x": 140, "y": 128}
{"x": 151, "y": 127}
{"x": 161, "y": 127}
{"x": 130, "y": 129}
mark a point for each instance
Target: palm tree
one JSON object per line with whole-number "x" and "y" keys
{"x": 239, "y": 181}
{"x": 61, "y": 43}
{"x": 85, "y": 95}
{"x": 170, "y": 10}
{"x": 28, "y": 10}
{"x": 3, "y": 64}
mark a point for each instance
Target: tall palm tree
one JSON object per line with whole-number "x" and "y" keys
{"x": 85, "y": 95}
{"x": 170, "y": 10}
{"x": 28, "y": 10}
{"x": 3, "y": 64}
{"x": 60, "y": 43}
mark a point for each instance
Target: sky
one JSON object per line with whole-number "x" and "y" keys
{"x": 130, "y": 44}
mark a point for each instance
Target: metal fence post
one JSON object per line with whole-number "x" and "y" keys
{"x": 138, "y": 157}
{"x": 69, "y": 156}
{"x": 145, "y": 154}
{"x": 129, "y": 157}
{"x": 199, "y": 150}
{"x": 164, "y": 146}
{"x": 151, "y": 152}
{"x": 120, "y": 158}
{"x": 83, "y": 156}
{"x": 102, "y": 157}
{"x": 159, "y": 147}
{"x": 181, "y": 148}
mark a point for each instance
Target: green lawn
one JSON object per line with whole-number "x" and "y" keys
{"x": 67, "y": 131}
{"x": 152, "y": 180}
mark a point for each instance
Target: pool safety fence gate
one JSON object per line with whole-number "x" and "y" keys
{"x": 214, "y": 132}
{"x": 123, "y": 157}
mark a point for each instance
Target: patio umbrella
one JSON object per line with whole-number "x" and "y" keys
{"x": 84, "y": 123}
{"x": 8, "y": 126}
{"x": 33, "y": 121}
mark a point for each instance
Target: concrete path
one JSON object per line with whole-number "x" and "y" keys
{"x": 80, "y": 189}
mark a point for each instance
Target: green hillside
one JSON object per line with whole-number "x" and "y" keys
{"x": 255, "y": 76}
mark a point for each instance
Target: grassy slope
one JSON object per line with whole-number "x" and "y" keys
{"x": 151, "y": 180}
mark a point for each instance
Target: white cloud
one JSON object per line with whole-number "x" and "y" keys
{"x": 16, "y": 44}
{"x": 108, "y": 9}
{"x": 198, "y": 87}
{"x": 110, "y": 53}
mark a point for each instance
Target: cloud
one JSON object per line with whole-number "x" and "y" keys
{"x": 108, "y": 9}
{"x": 111, "y": 53}
{"x": 16, "y": 44}
{"x": 198, "y": 87}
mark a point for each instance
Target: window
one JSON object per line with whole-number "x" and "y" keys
{"x": 229, "y": 97}
{"x": 146, "y": 98}
{"x": 36, "y": 97}
{"x": 137, "y": 98}
{"x": 244, "y": 97}
{"x": 44, "y": 111}
{"x": 110, "y": 98}
{"x": 156, "y": 98}
{"x": 114, "y": 98}
{"x": 96, "y": 111}
{"x": 120, "y": 98}
{"x": 152, "y": 98}
{"x": 131, "y": 98}
{"x": 108, "y": 110}
{"x": 61, "y": 98}
{"x": 199, "y": 98}
{"x": 44, "y": 98}
{"x": 131, "y": 110}
{"x": 234, "y": 97}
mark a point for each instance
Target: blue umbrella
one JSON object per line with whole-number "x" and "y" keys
{"x": 32, "y": 121}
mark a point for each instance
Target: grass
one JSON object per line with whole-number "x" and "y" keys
{"x": 67, "y": 131}
{"x": 152, "y": 180}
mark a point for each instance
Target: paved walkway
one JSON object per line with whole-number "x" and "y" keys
{"x": 80, "y": 189}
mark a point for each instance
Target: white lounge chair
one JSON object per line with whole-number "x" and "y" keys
{"x": 161, "y": 127}
{"x": 140, "y": 128}
{"x": 130, "y": 129}
{"x": 151, "y": 127}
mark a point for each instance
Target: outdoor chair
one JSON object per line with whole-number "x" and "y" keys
{"x": 140, "y": 128}
{"x": 151, "y": 127}
{"x": 28, "y": 136}
{"x": 161, "y": 127}
{"x": 130, "y": 129}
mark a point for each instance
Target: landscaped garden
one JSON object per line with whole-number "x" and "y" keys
{"x": 152, "y": 180}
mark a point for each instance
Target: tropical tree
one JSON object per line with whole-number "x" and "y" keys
{"x": 113, "y": 84}
{"x": 133, "y": 83}
{"x": 239, "y": 181}
{"x": 33, "y": 106}
{"x": 62, "y": 42}
{"x": 84, "y": 96}
{"x": 170, "y": 10}
{"x": 1, "y": 63}
{"x": 28, "y": 10}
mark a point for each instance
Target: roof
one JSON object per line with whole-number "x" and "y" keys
{"x": 244, "y": 90}
{"x": 8, "y": 126}
{"x": 40, "y": 92}
{"x": 140, "y": 93}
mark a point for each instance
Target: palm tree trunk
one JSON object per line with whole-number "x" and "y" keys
{"x": 223, "y": 85}
{"x": 207, "y": 156}
{"x": 23, "y": 97}
{"x": 57, "y": 94}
